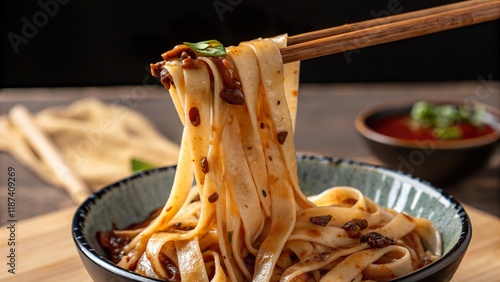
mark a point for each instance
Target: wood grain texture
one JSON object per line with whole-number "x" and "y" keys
{"x": 45, "y": 250}
{"x": 482, "y": 260}
{"x": 318, "y": 34}
{"x": 448, "y": 17}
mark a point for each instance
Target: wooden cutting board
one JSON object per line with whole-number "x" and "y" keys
{"x": 45, "y": 250}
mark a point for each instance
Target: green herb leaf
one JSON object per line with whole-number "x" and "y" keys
{"x": 479, "y": 116}
{"x": 138, "y": 165}
{"x": 445, "y": 115}
{"x": 230, "y": 236}
{"x": 444, "y": 118}
{"x": 447, "y": 133}
{"x": 211, "y": 48}
{"x": 421, "y": 111}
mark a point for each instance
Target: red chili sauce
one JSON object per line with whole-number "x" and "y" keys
{"x": 403, "y": 127}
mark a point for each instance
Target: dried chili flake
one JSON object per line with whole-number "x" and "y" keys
{"x": 232, "y": 96}
{"x": 354, "y": 227}
{"x": 194, "y": 116}
{"x": 320, "y": 220}
{"x": 376, "y": 240}
{"x": 213, "y": 198}
{"x": 204, "y": 165}
{"x": 282, "y": 137}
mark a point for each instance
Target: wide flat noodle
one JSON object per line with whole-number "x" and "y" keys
{"x": 246, "y": 218}
{"x": 290, "y": 80}
{"x": 353, "y": 265}
{"x": 245, "y": 61}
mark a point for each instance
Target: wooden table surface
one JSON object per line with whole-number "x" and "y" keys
{"x": 325, "y": 126}
{"x": 46, "y": 252}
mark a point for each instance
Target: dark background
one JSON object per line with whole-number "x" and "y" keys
{"x": 112, "y": 42}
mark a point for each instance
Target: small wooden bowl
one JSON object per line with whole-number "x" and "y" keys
{"x": 436, "y": 161}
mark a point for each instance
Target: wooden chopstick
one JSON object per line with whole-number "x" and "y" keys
{"x": 43, "y": 146}
{"x": 388, "y": 29}
{"x": 313, "y": 35}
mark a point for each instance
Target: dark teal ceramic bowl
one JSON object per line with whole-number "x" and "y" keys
{"x": 132, "y": 199}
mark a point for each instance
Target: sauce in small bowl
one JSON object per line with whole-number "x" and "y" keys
{"x": 401, "y": 144}
{"x": 402, "y": 126}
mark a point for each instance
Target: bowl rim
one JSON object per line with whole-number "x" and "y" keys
{"x": 401, "y": 104}
{"x": 78, "y": 221}
{"x": 456, "y": 252}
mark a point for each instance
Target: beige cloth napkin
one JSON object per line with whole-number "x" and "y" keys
{"x": 96, "y": 141}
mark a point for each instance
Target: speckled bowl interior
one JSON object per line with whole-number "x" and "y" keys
{"x": 132, "y": 199}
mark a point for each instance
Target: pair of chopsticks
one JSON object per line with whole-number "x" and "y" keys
{"x": 377, "y": 31}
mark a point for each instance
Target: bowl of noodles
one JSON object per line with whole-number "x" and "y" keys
{"x": 126, "y": 203}
{"x": 240, "y": 205}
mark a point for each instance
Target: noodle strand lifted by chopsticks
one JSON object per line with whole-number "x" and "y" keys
{"x": 246, "y": 218}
